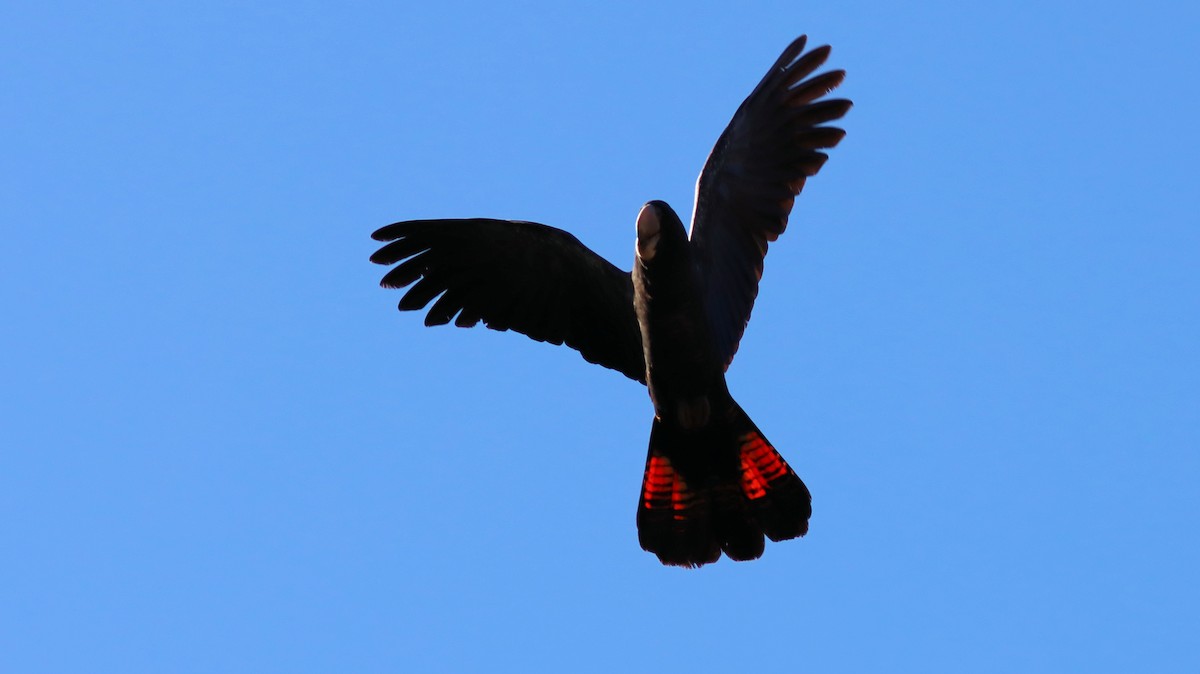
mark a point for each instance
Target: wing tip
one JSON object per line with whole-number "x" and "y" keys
{"x": 794, "y": 49}
{"x": 819, "y": 54}
{"x": 381, "y": 257}
{"x": 389, "y": 232}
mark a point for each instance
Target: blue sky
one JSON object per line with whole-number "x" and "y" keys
{"x": 223, "y": 449}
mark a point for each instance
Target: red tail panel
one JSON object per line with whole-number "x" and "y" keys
{"x": 663, "y": 488}
{"x": 762, "y": 466}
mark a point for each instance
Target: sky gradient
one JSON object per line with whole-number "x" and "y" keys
{"x": 223, "y": 449}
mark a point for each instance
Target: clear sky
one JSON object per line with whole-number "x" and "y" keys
{"x": 222, "y": 449}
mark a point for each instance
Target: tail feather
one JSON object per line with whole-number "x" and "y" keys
{"x": 674, "y": 519}
{"x": 734, "y": 526}
{"x": 719, "y": 489}
{"x": 778, "y": 498}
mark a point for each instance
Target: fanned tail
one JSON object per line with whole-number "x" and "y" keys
{"x": 718, "y": 489}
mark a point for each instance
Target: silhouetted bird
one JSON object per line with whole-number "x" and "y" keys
{"x": 713, "y": 483}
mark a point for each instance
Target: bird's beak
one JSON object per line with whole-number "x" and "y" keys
{"x": 648, "y": 231}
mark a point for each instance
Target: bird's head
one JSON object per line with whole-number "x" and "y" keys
{"x": 658, "y": 225}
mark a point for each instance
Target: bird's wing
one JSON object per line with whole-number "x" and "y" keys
{"x": 756, "y": 169}
{"x": 523, "y": 276}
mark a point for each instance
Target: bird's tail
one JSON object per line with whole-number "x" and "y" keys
{"x": 717, "y": 489}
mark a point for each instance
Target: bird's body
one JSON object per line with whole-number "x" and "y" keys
{"x": 712, "y": 482}
{"x": 683, "y": 372}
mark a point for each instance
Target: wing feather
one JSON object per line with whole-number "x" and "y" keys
{"x": 747, "y": 188}
{"x": 513, "y": 275}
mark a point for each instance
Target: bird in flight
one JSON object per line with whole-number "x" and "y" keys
{"x": 713, "y": 483}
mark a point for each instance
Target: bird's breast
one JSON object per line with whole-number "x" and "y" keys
{"x": 683, "y": 373}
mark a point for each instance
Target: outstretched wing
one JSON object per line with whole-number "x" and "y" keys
{"x": 756, "y": 169}
{"x": 537, "y": 280}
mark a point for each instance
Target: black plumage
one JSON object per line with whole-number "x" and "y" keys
{"x": 712, "y": 483}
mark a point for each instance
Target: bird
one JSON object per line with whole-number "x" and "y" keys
{"x": 713, "y": 484}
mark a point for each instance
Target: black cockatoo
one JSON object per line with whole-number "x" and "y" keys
{"x": 713, "y": 483}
